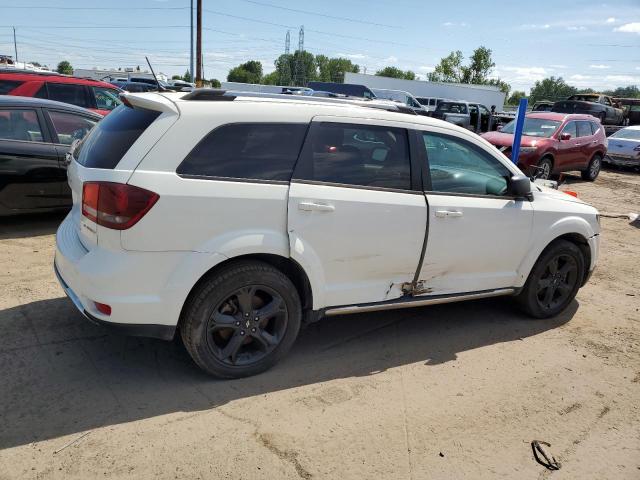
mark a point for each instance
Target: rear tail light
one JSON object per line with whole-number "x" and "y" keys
{"x": 116, "y": 205}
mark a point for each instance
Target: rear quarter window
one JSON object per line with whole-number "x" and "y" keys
{"x": 252, "y": 151}
{"x": 6, "y": 86}
{"x": 110, "y": 140}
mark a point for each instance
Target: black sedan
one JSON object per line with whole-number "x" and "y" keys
{"x": 35, "y": 135}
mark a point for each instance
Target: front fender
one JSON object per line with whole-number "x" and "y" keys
{"x": 566, "y": 225}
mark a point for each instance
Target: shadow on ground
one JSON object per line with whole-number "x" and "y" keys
{"x": 22, "y": 226}
{"x": 62, "y": 375}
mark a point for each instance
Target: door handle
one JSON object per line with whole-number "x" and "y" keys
{"x": 313, "y": 206}
{"x": 448, "y": 213}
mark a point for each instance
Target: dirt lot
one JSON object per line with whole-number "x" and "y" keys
{"x": 455, "y": 391}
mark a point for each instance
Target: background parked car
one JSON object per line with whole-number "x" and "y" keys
{"x": 473, "y": 116}
{"x": 100, "y": 97}
{"x": 134, "y": 86}
{"x": 35, "y": 136}
{"x": 403, "y": 97}
{"x": 542, "y": 106}
{"x": 624, "y": 147}
{"x": 600, "y": 106}
{"x": 556, "y": 143}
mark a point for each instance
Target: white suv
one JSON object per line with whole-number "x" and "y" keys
{"x": 234, "y": 218}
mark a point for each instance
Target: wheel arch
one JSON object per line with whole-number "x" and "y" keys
{"x": 288, "y": 266}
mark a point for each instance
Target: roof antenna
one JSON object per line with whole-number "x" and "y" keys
{"x": 160, "y": 87}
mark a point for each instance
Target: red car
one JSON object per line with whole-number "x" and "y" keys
{"x": 555, "y": 142}
{"x": 100, "y": 97}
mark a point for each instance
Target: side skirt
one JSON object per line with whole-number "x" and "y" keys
{"x": 408, "y": 302}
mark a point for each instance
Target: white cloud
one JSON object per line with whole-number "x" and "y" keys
{"x": 600, "y": 67}
{"x": 629, "y": 79}
{"x": 521, "y": 74}
{"x": 454, "y": 24}
{"x": 535, "y": 26}
{"x": 559, "y": 67}
{"x": 391, "y": 59}
{"x": 611, "y": 20}
{"x": 426, "y": 68}
{"x": 355, "y": 56}
{"x": 633, "y": 27}
{"x": 579, "y": 77}
{"x": 574, "y": 28}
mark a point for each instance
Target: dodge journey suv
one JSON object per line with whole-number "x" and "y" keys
{"x": 233, "y": 218}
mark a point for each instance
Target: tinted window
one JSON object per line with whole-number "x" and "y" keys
{"x": 352, "y": 154}
{"x": 113, "y": 136}
{"x": 68, "y": 93}
{"x": 570, "y": 128}
{"x": 7, "y": 85}
{"x": 106, "y": 98}
{"x": 584, "y": 129}
{"x": 451, "y": 107}
{"x": 20, "y": 125}
{"x": 70, "y": 127}
{"x": 260, "y": 151}
{"x": 457, "y": 166}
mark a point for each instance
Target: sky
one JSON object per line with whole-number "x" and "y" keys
{"x": 588, "y": 43}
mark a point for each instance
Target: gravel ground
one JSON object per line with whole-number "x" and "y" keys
{"x": 451, "y": 391}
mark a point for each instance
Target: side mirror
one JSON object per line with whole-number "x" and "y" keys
{"x": 565, "y": 136}
{"x": 520, "y": 187}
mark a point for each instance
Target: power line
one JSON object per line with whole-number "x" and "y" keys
{"x": 318, "y": 14}
{"x": 89, "y": 8}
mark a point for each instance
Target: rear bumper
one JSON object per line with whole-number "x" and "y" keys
{"x": 145, "y": 290}
{"x": 163, "y": 332}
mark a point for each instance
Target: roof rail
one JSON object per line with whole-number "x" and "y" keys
{"x": 209, "y": 94}
{"x": 215, "y": 94}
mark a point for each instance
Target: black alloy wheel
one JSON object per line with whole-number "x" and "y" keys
{"x": 557, "y": 282}
{"x": 247, "y": 325}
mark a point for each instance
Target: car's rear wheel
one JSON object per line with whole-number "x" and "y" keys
{"x": 242, "y": 320}
{"x": 546, "y": 167}
{"x": 593, "y": 169}
{"x": 554, "y": 280}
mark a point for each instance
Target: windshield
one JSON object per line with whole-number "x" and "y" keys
{"x": 451, "y": 107}
{"x": 627, "y": 134}
{"x": 534, "y": 127}
{"x": 585, "y": 98}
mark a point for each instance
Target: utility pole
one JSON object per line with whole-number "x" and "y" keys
{"x": 300, "y": 79}
{"x": 191, "y": 37}
{"x": 199, "y": 44}
{"x": 15, "y": 44}
{"x": 287, "y": 74}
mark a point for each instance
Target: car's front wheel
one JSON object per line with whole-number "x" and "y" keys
{"x": 593, "y": 169}
{"x": 554, "y": 280}
{"x": 546, "y": 167}
{"x": 241, "y": 320}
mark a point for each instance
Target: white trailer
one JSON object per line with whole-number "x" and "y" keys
{"x": 487, "y": 95}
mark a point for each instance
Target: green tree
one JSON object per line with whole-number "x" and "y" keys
{"x": 65, "y": 68}
{"x": 452, "y": 69}
{"x": 515, "y": 97}
{"x": 215, "y": 83}
{"x": 249, "y": 72}
{"x": 551, "y": 88}
{"x": 176, "y": 77}
{"x": 296, "y": 69}
{"x": 187, "y": 76}
{"x": 395, "y": 72}
{"x": 333, "y": 69}
{"x": 272, "y": 78}
{"x": 631, "y": 91}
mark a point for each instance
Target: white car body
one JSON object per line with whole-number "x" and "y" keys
{"x": 358, "y": 247}
{"x": 624, "y": 147}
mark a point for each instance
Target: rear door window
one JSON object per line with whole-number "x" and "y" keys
{"x": 105, "y": 146}
{"x": 584, "y": 129}
{"x": 20, "y": 124}
{"x": 252, "y": 151}
{"x": 68, "y": 93}
{"x": 69, "y": 127}
{"x": 361, "y": 155}
{"x": 7, "y": 86}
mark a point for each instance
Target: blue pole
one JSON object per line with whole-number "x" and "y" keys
{"x": 517, "y": 135}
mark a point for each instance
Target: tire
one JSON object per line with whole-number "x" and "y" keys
{"x": 222, "y": 326}
{"x": 547, "y": 165}
{"x": 549, "y": 290}
{"x": 593, "y": 169}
